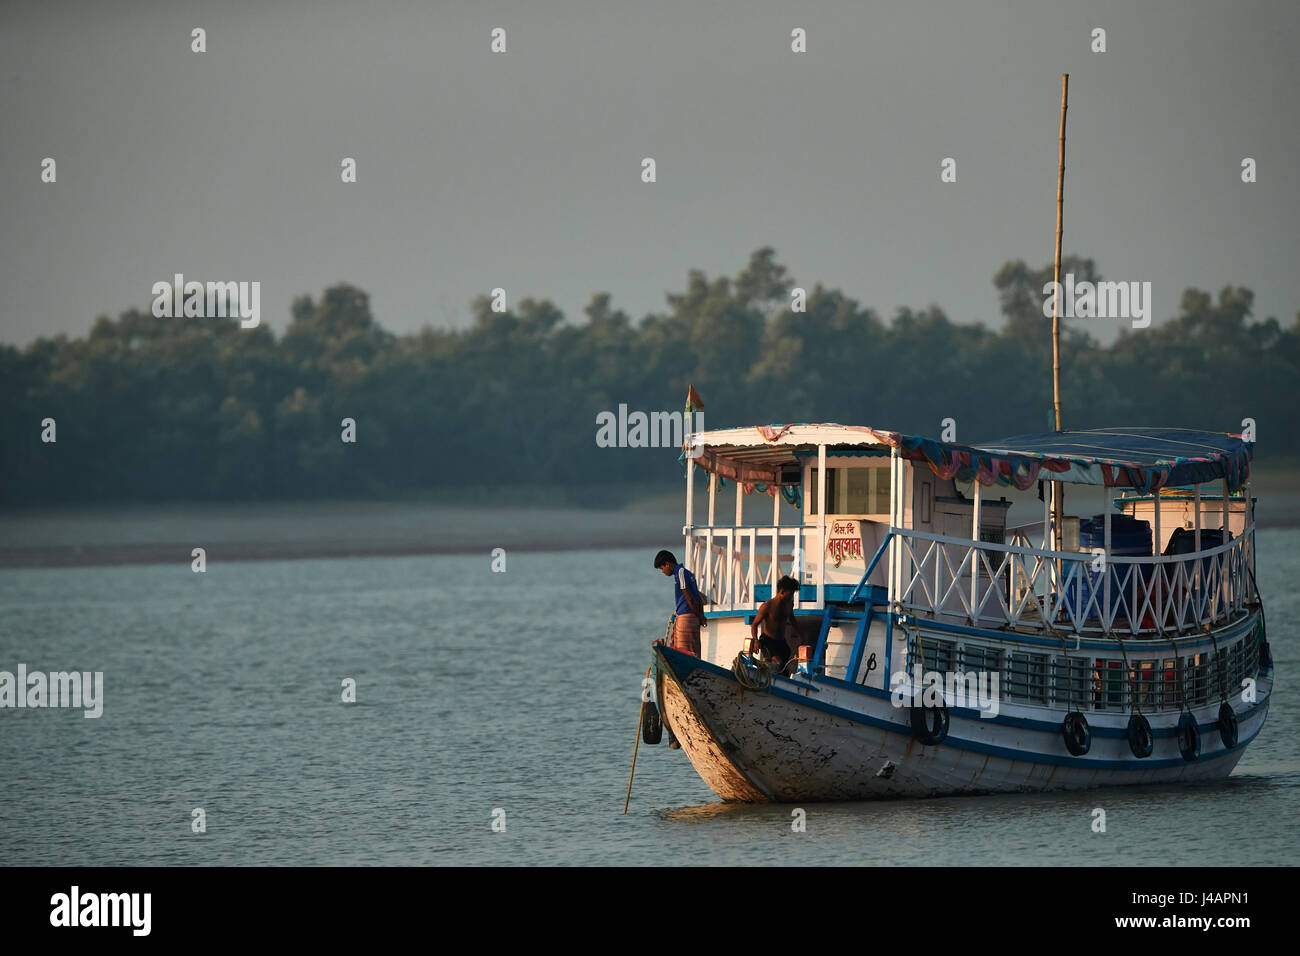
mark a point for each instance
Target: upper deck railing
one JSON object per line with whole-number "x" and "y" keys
{"x": 1015, "y": 585}
{"x": 1018, "y": 585}
{"x": 730, "y": 562}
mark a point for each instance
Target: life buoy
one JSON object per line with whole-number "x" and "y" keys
{"x": 1228, "y": 725}
{"x": 1189, "y": 737}
{"x": 652, "y": 727}
{"x": 930, "y": 724}
{"x": 1140, "y": 740}
{"x": 1077, "y": 734}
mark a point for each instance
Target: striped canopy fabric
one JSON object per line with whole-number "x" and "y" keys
{"x": 1143, "y": 458}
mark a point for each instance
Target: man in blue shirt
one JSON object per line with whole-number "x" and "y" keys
{"x": 690, "y": 607}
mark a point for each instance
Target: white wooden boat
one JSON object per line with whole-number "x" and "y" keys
{"x": 1108, "y": 666}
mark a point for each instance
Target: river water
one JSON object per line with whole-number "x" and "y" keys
{"x": 509, "y": 697}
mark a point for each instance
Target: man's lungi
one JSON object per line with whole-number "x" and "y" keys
{"x": 686, "y": 634}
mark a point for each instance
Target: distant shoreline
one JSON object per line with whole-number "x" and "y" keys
{"x": 98, "y": 556}
{"x": 86, "y": 537}
{"x": 289, "y": 531}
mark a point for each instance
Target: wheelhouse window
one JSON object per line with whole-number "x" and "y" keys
{"x": 851, "y": 491}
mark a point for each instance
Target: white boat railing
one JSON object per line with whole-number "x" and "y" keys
{"x": 1013, "y": 585}
{"x": 730, "y": 562}
{"x": 1018, "y": 585}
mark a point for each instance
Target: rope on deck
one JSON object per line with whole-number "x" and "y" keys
{"x": 752, "y": 674}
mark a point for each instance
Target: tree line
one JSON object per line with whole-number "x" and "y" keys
{"x": 149, "y": 409}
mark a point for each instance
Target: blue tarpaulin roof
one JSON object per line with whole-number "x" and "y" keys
{"x": 1143, "y": 458}
{"x": 1150, "y": 445}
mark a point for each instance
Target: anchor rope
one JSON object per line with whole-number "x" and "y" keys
{"x": 752, "y": 674}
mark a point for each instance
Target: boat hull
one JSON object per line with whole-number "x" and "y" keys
{"x": 828, "y": 741}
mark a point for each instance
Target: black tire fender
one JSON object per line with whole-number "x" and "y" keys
{"x": 1189, "y": 737}
{"x": 930, "y": 724}
{"x": 652, "y": 727}
{"x": 1228, "y": 725}
{"x": 1140, "y": 739}
{"x": 1076, "y": 733}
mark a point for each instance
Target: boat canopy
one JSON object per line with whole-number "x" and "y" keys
{"x": 1142, "y": 458}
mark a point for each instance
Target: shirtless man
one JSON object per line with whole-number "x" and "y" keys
{"x": 773, "y": 619}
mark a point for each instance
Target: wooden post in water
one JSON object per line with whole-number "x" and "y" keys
{"x": 1058, "y": 493}
{"x": 637, "y": 746}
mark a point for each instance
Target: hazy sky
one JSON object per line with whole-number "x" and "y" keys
{"x": 522, "y": 169}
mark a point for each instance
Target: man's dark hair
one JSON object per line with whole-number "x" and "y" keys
{"x": 664, "y": 557}
{"x": 788, "y": 583}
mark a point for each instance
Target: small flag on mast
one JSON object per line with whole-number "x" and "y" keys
{"x": 690, "y": 423}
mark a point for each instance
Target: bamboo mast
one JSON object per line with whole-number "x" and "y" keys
{"x": 1058, "y": 495}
